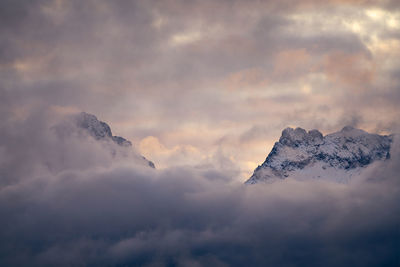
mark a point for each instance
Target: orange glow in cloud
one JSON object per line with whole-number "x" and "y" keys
{"x": 291, "y": 61}
{"x": 163, "y": 156}
{"x": 245, "y": 79}
{"x": 351, "y": 69}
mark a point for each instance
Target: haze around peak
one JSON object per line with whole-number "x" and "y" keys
{"x": 120, "y": 213}
{"x": 336, "y": 157}
{"x": 203, "y": 89}
{"x": 194, "y": 82}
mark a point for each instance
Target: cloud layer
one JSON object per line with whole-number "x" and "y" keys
{"x": 98, "y": 210}
{"x": 196, "y": 76}
{"x": 203, "y": 89}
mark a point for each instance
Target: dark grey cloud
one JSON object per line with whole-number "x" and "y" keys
{"x": 220, "y": 76}
{"x": 100, "y": 211}
{"x": 110, "y": 59}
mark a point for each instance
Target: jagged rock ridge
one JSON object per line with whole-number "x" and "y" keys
{"x": 98, "y": 129}
{"x": 102, "y": 131}
{"x": 336, "y": 157}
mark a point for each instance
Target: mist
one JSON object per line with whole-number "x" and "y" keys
{"x": 98, "y": 210}
{"x": 203, "y": 89}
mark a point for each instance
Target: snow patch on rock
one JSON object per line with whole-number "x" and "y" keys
{"x": 335, "y": 157}
{"x": 101, "y": 131}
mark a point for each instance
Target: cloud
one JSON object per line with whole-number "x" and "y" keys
{"x": 203, "y": 88}
{"x": 178, "y": 155}
{"x": 159, "y": 68}
{"x": 97, "y": 210}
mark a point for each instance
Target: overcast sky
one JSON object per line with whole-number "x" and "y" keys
{"x": 192, "y": 81}
{"x": 203, "y": 89}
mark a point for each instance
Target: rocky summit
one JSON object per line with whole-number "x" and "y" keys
{"x": 309, "y": 155}
{"x": 101, "y": 131}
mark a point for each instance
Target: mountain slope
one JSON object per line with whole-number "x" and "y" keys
{"x": 335, "y": 157}
{"x": 101, "y": 131}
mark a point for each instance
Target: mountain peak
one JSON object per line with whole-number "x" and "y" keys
{"x": 336, "y": 156}
{"x": 295, "y": 137}
{"x": 98, "y": 129}
{"x": 349, "y": 131}
{"x": 348, "y": 128}
{"x": 102, "y": 131}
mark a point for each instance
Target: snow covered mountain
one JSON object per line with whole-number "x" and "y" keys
{"x": 309, "y": 155}
{"x": 98, "y": 129}
{"x": 101, "y": 131}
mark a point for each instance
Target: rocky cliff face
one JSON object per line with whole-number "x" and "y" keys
{"x": 98, "y": 129}
{"x": 336, "y": 157}
{"x": 101, "y": 131}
